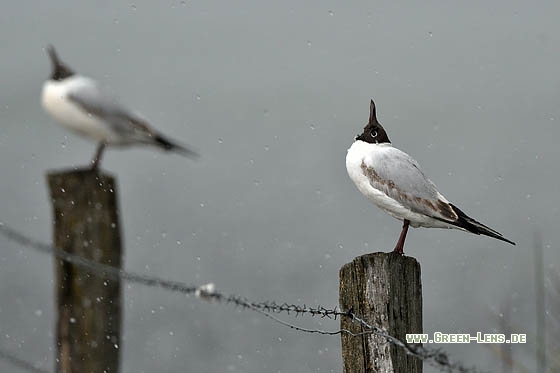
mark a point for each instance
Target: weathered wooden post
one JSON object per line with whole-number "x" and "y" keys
{"x": 86, "y": 223}
{"x": 385, "y": 289}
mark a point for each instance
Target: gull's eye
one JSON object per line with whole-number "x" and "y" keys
{"x": 374, "y": 133}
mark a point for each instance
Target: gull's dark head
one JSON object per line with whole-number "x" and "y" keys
{"x": 374, "y": 133}
{"x": 60, "y": 70}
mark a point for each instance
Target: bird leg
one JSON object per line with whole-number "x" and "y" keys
{"x": 400, "y": 243}
{"x": 97, "y": 158}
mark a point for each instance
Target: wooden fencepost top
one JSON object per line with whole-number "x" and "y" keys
{"x": 386, "y": 290}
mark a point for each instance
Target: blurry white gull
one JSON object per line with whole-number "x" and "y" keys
{"x": 80, "y": 105}
{"x": 393, "y": 181}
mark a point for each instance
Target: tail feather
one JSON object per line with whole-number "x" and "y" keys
{"x": 169, "y": 145}
{"x": 471, "y": 225}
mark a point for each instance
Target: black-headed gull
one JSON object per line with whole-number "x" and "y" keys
{"x": 80, "y": 105}
{"x": 394, "y": 181}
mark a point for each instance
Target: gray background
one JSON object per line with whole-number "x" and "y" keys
{"x": 272, "y": 96}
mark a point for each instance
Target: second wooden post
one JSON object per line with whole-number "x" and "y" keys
{"x": 86, "y": 223}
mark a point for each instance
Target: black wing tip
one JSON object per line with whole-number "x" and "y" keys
{"x": 186, "y": 152}
{"x": 510, "y": 242}
{"x": 466, "y": 222}
{"x": 169, "y": 145}
{"x": 501, "y": 238}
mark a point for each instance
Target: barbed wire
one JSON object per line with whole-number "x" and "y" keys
{"x": 435, "y": 357}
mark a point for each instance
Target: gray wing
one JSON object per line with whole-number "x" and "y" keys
{"x": 103, "y": 106}
{"x": 399, "y": 176}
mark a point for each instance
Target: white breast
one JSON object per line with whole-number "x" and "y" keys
{"x": 55, "y": 101}
{"x": 357, "y": 153}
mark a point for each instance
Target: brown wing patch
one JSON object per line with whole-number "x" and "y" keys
{"x": 446, "y": 210}
{"x": 373, "y": 176}
{"x": 387, "y": 186}
{"x": 423, "y": 205}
